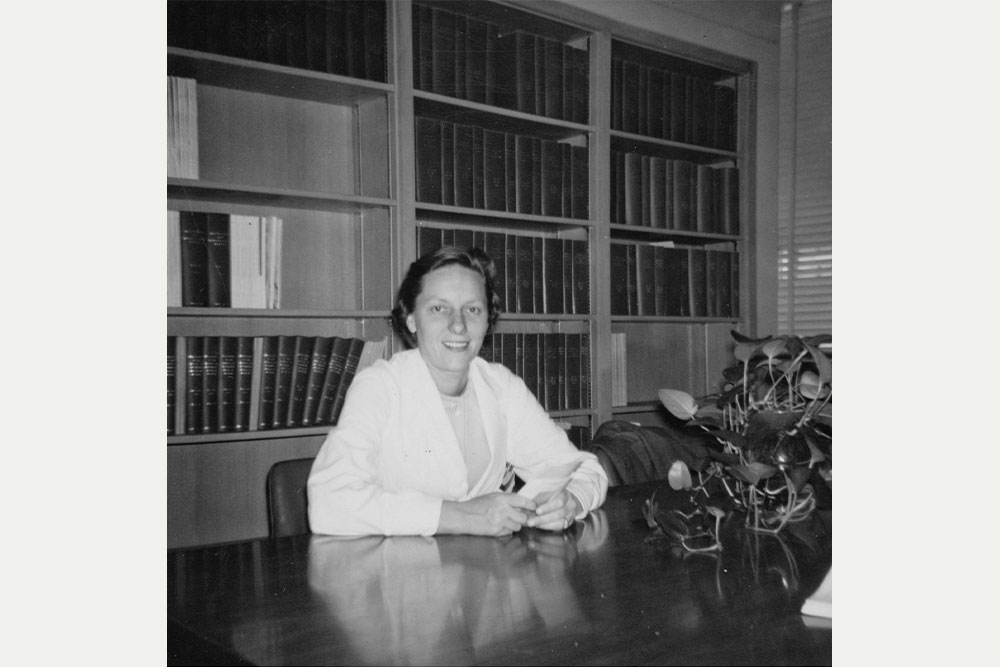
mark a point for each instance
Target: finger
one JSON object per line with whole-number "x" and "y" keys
{"x": 556, "y": 518}
{"x": 514, "y": 500}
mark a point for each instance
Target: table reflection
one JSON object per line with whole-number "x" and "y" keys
{"x": 399, "y": 598}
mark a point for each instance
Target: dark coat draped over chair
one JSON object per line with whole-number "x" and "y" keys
{"x": 631, "y": 454}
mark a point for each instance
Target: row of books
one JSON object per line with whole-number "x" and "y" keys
{"x": 468, "y": 165}
{"x": 619, "y": 374}
{"x": 534, "y": 274}
{"x": 554, "y": 366}
{"x": 468, "y": 58}
{"x": 218, "y": 260}
{"x": 346, "y": 38}
{"x": 654, "y": 280}
{"x": 669, "y": 105}
{"x": 652, "y": 191}
{"x": 243, "y": 383}
{"x": 182, "y": 127}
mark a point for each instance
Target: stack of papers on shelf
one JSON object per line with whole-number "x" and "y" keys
{"x": 820, "y": 603}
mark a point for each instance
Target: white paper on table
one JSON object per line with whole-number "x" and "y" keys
{"x": 550, "y": 482}
{"x": 820, "y": 603}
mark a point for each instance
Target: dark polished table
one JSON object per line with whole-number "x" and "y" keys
{"x": 608, "y": 591}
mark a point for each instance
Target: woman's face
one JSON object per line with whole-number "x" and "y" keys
{"x": 450, "y": 320}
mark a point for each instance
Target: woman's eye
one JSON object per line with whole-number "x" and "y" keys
{"x": 437, "y": 309}
{"x": 475, "y": 310}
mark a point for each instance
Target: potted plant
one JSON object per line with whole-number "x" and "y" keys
{"x": 769, "y": 433}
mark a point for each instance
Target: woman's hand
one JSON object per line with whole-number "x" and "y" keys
{"x": 492, "y": 514}
{"x": 556, "y": 513}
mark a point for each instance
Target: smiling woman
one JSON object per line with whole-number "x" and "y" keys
{"x": 427, "y": 439}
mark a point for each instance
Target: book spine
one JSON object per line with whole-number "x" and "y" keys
{"x": 317, "y": 374}
{"x": 537, "y": 274}
{"x": 428, "y": 140}
{"x": 268, "y": 372}
{"x": 551, "y": 183}
{"x": 585, "y": 378}
{"x": 210, "y": 384}
{"x": 478, "y": 168}
{"x": 194, "y": 258}
{"x": 350, "y": 368}
{"x": 572, "y": 364}
{"x": 619, "y": 279}
{"x": 375, "y": 40}
{"x": 174, "y": 297}
{"x": 525, "y": 289}
{"x": 494, "y": 170}
{"x": 447, "y": 163}
{"x": 331, "y": 378}
{"x": 464, "y": 157}
{"x": 171, "y": 384}
{"x": 510, "y": 260}
{"x": 552, "y": 269}
{"x": 580, "y": 196}
{"x": 227, "y": 383}
{"x": 301, "y": 361}
{"x": 244, "y": 382}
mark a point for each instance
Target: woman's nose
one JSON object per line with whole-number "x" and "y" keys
{"x": 457, "y": 323}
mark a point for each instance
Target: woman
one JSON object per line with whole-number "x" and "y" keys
{"x": 427, "y": 441}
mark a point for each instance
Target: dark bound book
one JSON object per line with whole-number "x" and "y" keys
{"x": 632, "y": 285}
{"x": 566, "y": 180}
{"x": 659, "y": 281}
{"x": 510, "y": 262}
{"x": 510, "y": 351}
{"x": 301, "y": 362}
{"x": 296, "y": 36}
{"x": 464, "y": 238}
{"x": 581, "y": 278}
{"x": 553, "y": 78}
{"x": 539, "y": 106}
{"x": 657, "y": 201}
{"x": 476, "y": 45}
{"x": 428, "y": 172}
{"x": 553, "y": 370}
{"x": 536, "y": 175}
{"x": 617, "y": 83}
{"x": 194, "y": 258}
{"x": 619, "y": 279}
{"x": 447, "y": 163}
{"x": 314, "y": 22}
{"x": 317, "y": 375}
{"x": 633, "y": 189}
{"x": 705, "y": 214}
{"x": 354, "y": 39}
{"x": 678, "y": 106}
{"x": 585, "y": 378}
{"x": 428, "y": 240}
{"x": 525, "y": 288}
{"x": 217, "y": 235}
{"x": 630, "y": 97}
{"x": 244, "y": 383}
{"x": 529, "y": 366}
{"x": 734, "y": 290}
{"x": 566, "y": 113}
{"x": 171, "y": 383}
{"x": 283, "y": 379}
{"x": 702, "y": 101}
{"x": 618, "y": 188}
{"x": 495, "y": 243}
{"x": 646, "y": 279}
{"x": 537, "y": 274}
{"x": 676, "y": 282}
{"x": 336, "y": 360}
{"x": 697, "y": 286}
{"x": 461, "y": 55}
{"x": 443, "y": 52}
{"x": 567, "y": 275}
{"x": 209, "y": 384}
{"x": 494, "y": 170}
{"x": 491, "y": 46}
{"x": 464, "y": 158}
{"x": 580, "y": 197}
{"x": 728, "y": 199}
{"x": 375, "y": 41}
{"x": 336, "y": 38}
{"x": 572, "y": 365}
{"x": 276, "y": 33}
{"x": 643, "y": 122}
{"x": 525, "y": 175}
{"x": 720, "y": 264}
{"x": 268, "y": 374}
{"x": 227, "y": 384}
{"x": 525, "y": 82}
{"x": 644, "y": 190}
{"x": 478, "y": 168}
{"x": 724, "y": 116}
{"x": 350, "y": 368}
{"x": 684, "y": 179}
{"x": 194, "y": 373}
{"x": 668, "y": 194}
{"x": 551, "y": 180}
{"x": 423, "y": 47}
{"x": 552, "y": 268}
{"x": 510, "y": 177}
{"x": 654, "y": 102}
{"x": 581, "y": 86}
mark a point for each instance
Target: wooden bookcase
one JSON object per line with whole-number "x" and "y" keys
{"x": 344, "y": 155}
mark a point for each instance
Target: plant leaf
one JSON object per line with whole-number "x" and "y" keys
{"x": 799, "y": 476}
{"x": 810, "y": 386}
{"x": 775, "y": 348}
{"x": 823, "y": 364}
{"x": 753, "y": 472}
{"x": 679, "y": 476}
{"x": 816, "y": 455}
{"x": 679, "y": 403}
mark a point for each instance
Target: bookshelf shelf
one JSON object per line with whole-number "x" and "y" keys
{"x": 474, "y": 113}
{"x": 653, "y": 235}
{"x": 435, "y": 213}
{"x": 190, "y": 193}
{"x": 289, "y": 82}
{"x": 249, "y": 437}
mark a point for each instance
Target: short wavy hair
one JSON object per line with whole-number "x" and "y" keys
{"x": 471, "y": 258}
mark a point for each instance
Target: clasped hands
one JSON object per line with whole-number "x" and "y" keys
{"x": 506, "y": 513}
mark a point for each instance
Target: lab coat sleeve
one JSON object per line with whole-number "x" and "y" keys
{"x": 345, "y": 496}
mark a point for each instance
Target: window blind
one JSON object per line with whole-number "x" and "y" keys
{"x": 805, "y": 174}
